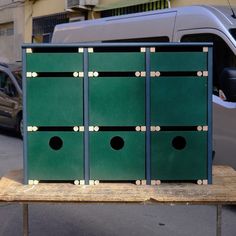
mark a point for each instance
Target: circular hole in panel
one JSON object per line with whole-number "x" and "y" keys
{"x": 56, "y": 143}
{"x": 179, "y": 142}
{"x": 117, "y": 143}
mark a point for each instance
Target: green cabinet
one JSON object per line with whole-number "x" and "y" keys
{"x": 55, "y": 156}
{"x": 179, "y": 101}
{"x": 117, "y": 112}
{"x": 49, "y": 62}
{"x": 116, "y": 61}
{"x": 180, "y": 109}
{"x": 116, "y": 95}
{"x": 179, "y": 95}
{"x": 168, "y": 61}
{"x": 54, "y": 106}
{"x": 117, "y": 155}
{"x": 116, "y": 101}
{"x": 55, "y": 101}
{"x": 179, "y": 155}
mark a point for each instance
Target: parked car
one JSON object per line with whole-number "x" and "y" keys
{"x": 11, "y": 97}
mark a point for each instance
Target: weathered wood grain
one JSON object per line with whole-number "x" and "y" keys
{"x": 222, "y": 191}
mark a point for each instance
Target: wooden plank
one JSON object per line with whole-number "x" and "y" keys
{"x": 222, "y": 191}
{"x": 223, "y": 171}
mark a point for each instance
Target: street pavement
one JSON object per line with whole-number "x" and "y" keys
{"x": 106, "y": 219}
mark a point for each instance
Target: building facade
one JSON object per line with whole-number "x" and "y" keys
{"x": 41, "y": 16}
{"x": 27, "y": 21}
{"x": 178, "y": 3}
{"x": 11, "y": 30}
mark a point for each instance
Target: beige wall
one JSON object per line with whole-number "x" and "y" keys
{"x": 48, "y": 7}
{"x": 44, "y": 8}
{"x": 177, "y": 3}
{"x": 6, "y": 43}
{"x": 40, "y": 8}
{"x": 10, "y": 45}
{"x": 108, "y": 1}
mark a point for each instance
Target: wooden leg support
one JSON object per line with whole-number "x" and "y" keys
{"x": 25, "y": 220}
{"x": 218, "y": 220}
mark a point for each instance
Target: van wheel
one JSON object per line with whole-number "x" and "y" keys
{"x": 20, "y": 128}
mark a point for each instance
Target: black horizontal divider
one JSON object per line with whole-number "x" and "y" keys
{"x": 178, "y": 128}
{"x": 55, "y": 74}
{"x": 180, "y": 48}
{"x": 55, "y": 128}
{"x": 117, "y": 128}
{"x": 114, "y": 128}
{"x": 178, "y": 73}
{"x": 117, "y": 73}
{"x": 55, "y": 49}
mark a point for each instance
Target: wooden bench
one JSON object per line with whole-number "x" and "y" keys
{"x": 221, "y": 192}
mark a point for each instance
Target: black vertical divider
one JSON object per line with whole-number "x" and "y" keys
{"x": 148, "y": 117}
{"x": 209, "y": 122}
{"x": 25, "y": 135}
{"x": 86, "y": 118}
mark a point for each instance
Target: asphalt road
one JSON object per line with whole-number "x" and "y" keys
{"x": 106, "y": 219}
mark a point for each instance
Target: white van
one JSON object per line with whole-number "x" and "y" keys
{"x": 183, "y": 24}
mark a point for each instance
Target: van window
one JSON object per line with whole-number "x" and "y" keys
{"x": 6, "y": 85}
{"x": 222, "y": 54}
{"x": 233, "y": 33}
{"x": 3, "y": 79}
{"x": 18, "y": 77}
{"x": 151, "y": 39}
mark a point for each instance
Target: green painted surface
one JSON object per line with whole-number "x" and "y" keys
{"x": 178, "y": 61}
{"x": 54, "y": 62}
{"x": 117, "y": 62}
{"x": 55, "y": 101}
{"x": 168, "y": 163}
{"x": 127, "y": 163}
{"x": 117, "y": 101}
{"x": 44, "y": 163}
{"x": 179, "y": 101}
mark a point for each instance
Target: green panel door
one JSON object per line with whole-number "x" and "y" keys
{"x": 117, "y": 155}
{"x": 179, "y": 101}
{"x": 179, "y": 155}
{"x": 55, "y": 156}
{"x": 54, "y": 101}
{"x": 116, "y": 61}
{"x": 54, "y": 62}
{"x": 179, "y": 61}
{"x": 117, "y": 101}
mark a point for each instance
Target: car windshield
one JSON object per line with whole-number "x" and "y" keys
{"x": 18, "y": 76}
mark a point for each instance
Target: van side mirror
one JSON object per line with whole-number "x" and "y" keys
{"x": 228, "y": 83}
